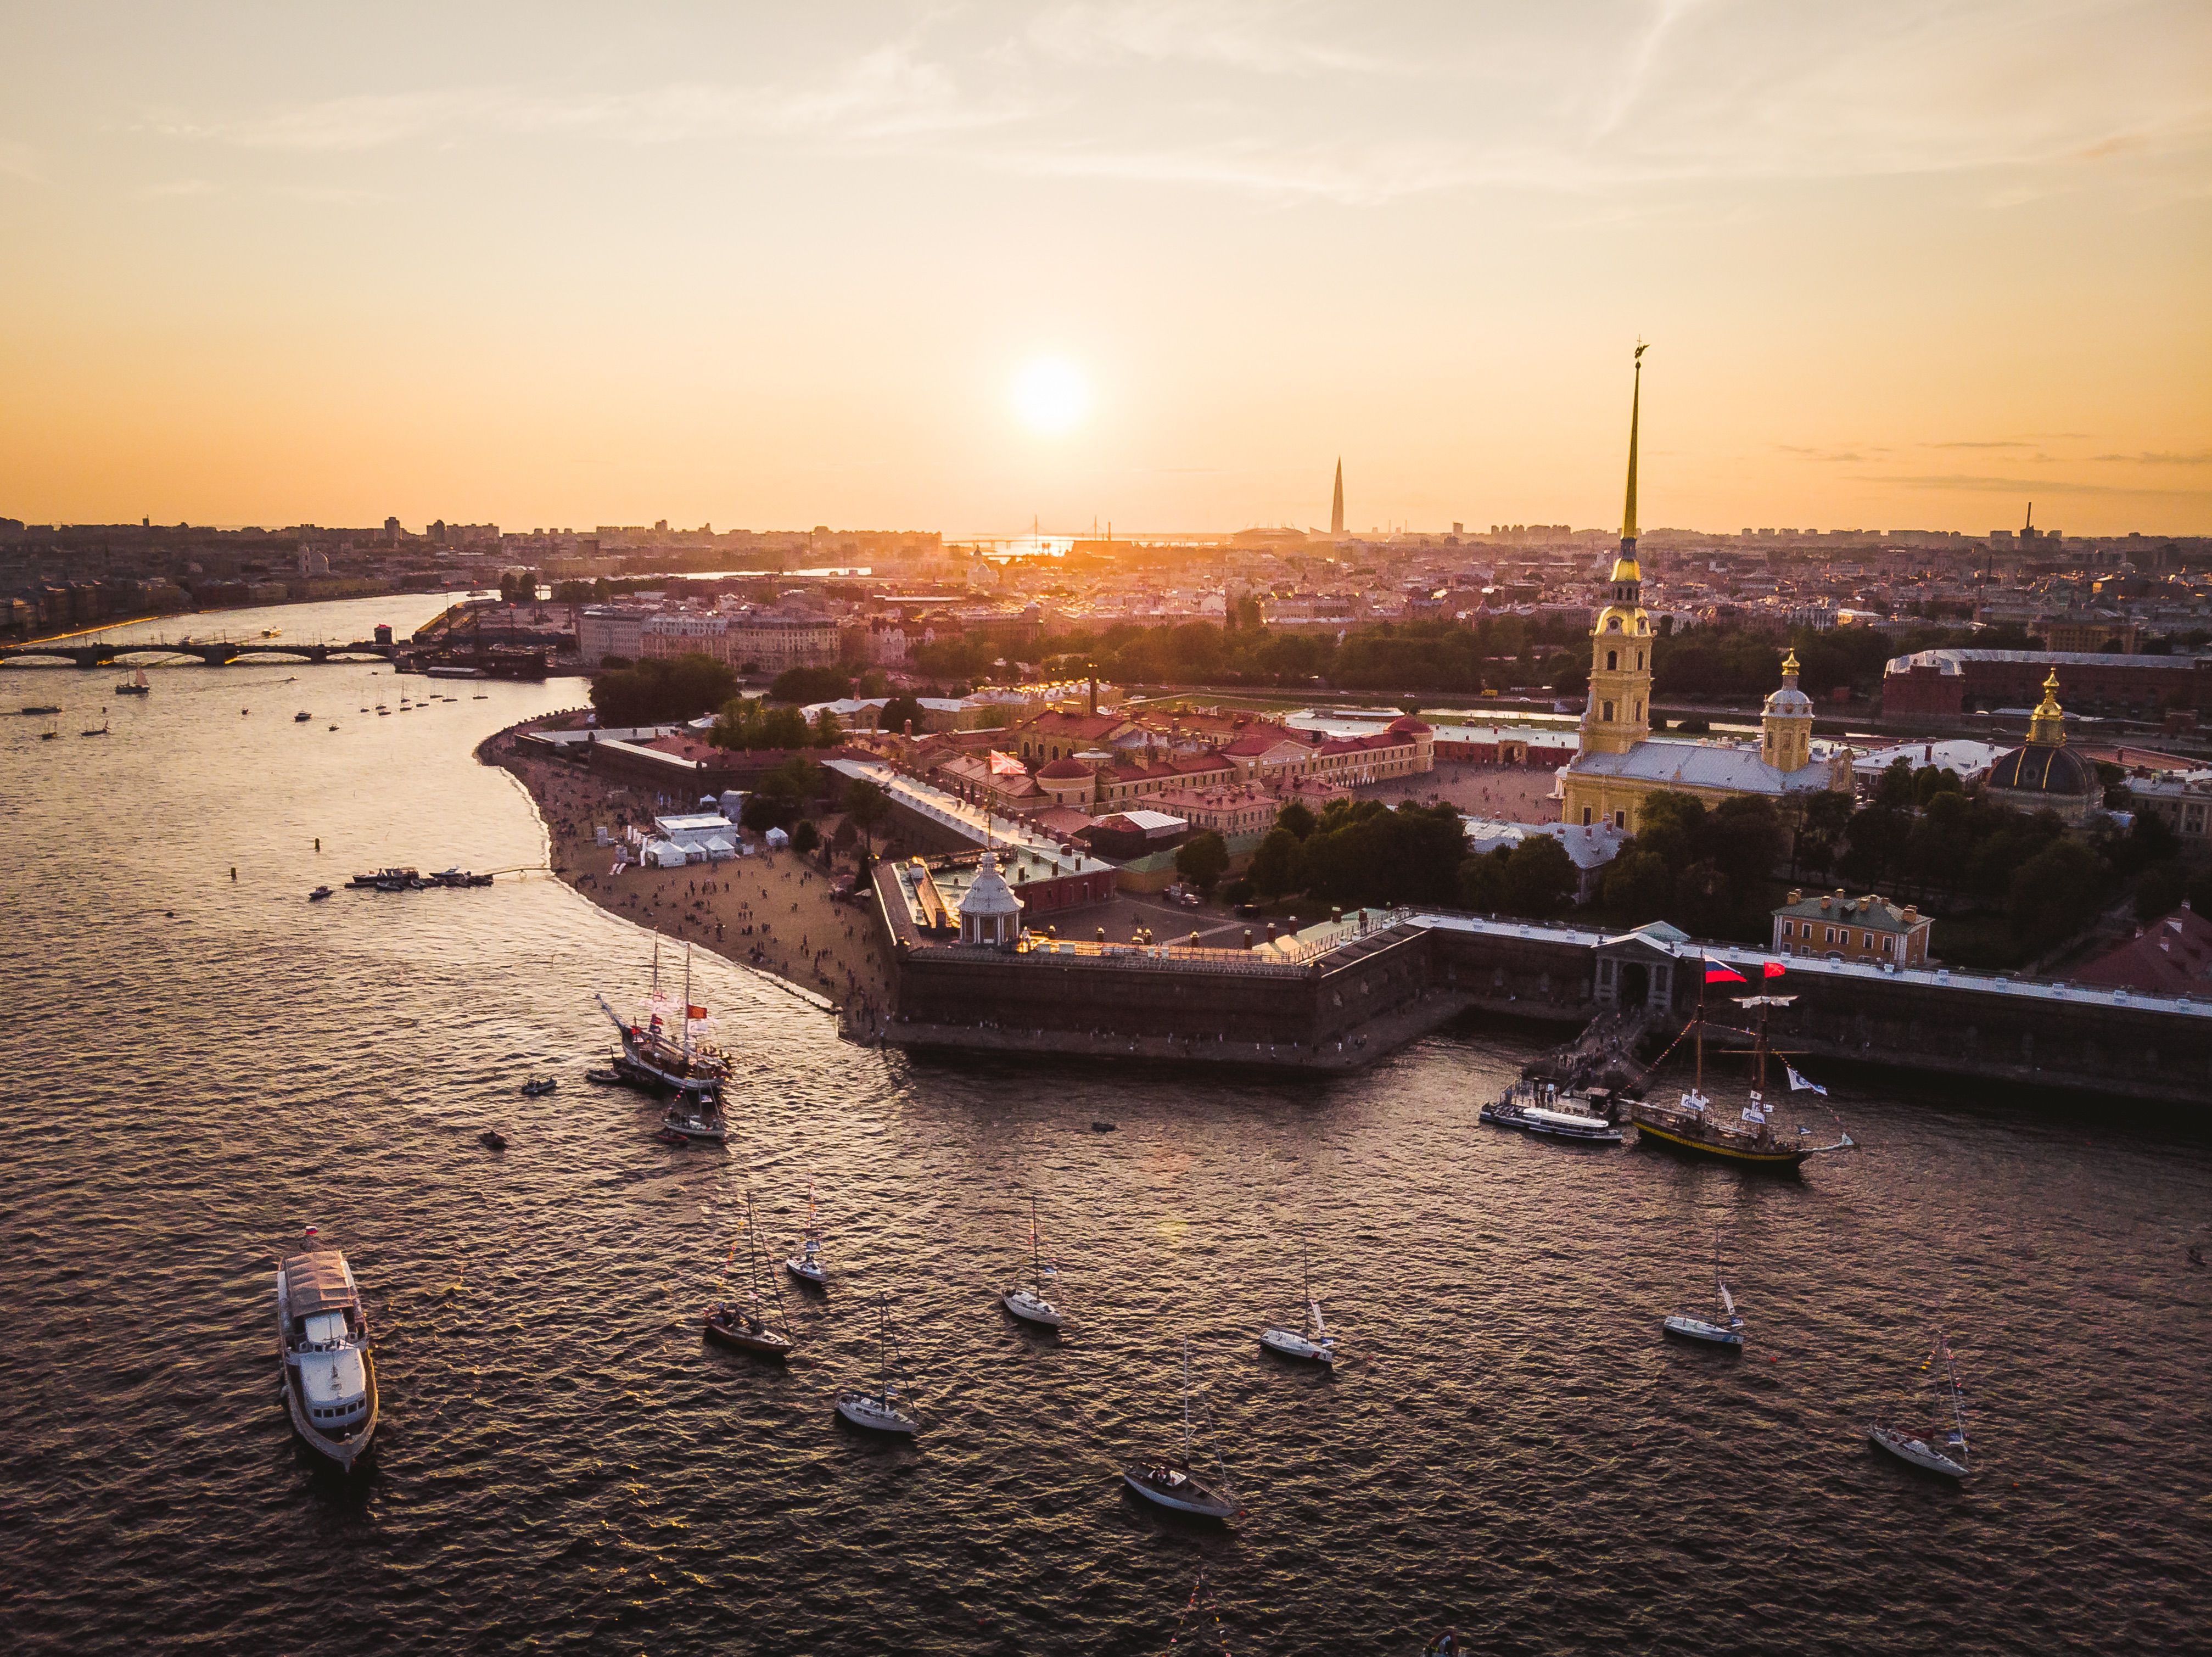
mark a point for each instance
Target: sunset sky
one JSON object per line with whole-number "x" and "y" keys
{"x": 949, "y": 266}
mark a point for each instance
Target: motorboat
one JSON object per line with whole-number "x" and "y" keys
{"x": 1541, "y": 1108}
{"x": 1310, "y": 1341}
{"x": 807, "y": 1264}
{"x": 301, "y": 717}
{"x": 1171, "y": 1482}
{"x": 879, "y": 1411}
{"x": 492, "y": 1139}
{"x": 318, "y": 893}
{"x": 694, "y": 1125}
{"x": 40, "y": 710}
{"x": 329, "y": 1371}
{"x": 1723, "y": 1325}
{"x": 1027, "y": 1300}
{"x": 384, "y": 880}
{"x": 1101, "y": 1127}
{"x": 538, "y": 1088}
{"x": 606, "y": 1078}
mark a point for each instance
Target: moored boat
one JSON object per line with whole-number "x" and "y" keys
{"x": 318, "y": 895}
{"x": 807, "y": 1264}
{"x": 1311, "y": 1341}
{"x": 879, "y": 1411}
{"x": 1173, "y": 1483}
{"x": 329, "y": 1371}
{"x": 1934, "y": 1396}
{"x": 651, "y": 1055}
{"x": 1541, "y": 1108}
{"x": 1722, "y": 1325}
{"x": 1027, "y": 1300}
{"x": 743, "y": 1325}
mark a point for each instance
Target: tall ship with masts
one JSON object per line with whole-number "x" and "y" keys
{"x": 1752, "y": 1136}
{"x": 654, "y": 1056}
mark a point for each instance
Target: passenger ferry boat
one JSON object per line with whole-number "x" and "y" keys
{"x": 330, "y": 1374}
{"x": 651, "y": 1056}
{"x": 1541, "y": 1108}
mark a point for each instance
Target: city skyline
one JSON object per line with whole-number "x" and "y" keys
{"x": 1146, "y": 266}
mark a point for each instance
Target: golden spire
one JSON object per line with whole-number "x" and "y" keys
{"x": 1635, "y": 413}
{"x": 1790, "y": 665}
{"x": 2048, "y": 728}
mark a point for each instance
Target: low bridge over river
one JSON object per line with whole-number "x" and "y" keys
{"x": 209, "y": 652}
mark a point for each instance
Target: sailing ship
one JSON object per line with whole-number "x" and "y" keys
{"x": 1541, "y": 1108}
{"x": 1310, "y": 1341}
{"x": 322, "y": 1331}
{"x": 743, "y": 1326}
{"x": 807, "y": 1264}
{"x": 879, "y": 1411}
{"x": 1171, "y": 1482}
{"x": 694, "y": 1070}
{"x": 1697, "y": 1126}
{"x": 136, "y": 685}
{"x": 1724, "y": 1327}
{"x": 1939, "y": 1446}
{"x": 1028, "y": 1303}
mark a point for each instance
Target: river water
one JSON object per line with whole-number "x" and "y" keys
{"x": 199, "y": 1068}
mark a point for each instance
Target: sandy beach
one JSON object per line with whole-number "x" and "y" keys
{"x": 773, "y": 911}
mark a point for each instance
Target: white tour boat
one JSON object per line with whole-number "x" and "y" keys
{"x": 1536, "y": 1108}
{"x": 330, "y": 1374}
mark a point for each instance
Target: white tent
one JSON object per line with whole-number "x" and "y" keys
{"x": 721, "y": 846}
{"x": 777, "y": 839}
{"x": 664, "y": 854}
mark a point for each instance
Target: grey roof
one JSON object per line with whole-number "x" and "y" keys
{"x": 1947, "y": 662}
{"x": 1700, "y": 765}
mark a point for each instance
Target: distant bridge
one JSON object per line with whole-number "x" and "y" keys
{"x": 210, "y": 652}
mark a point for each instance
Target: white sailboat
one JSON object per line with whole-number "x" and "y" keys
{"x": 1938, "y": 1447}
{"x": 1311, "y": 1342}
{"x": 744, "y": 1324}
{"x": 1724, "y": 1327}
{"x": 879, "y": 1411}
{"x": 807, "y": 1264}
{"x": 1027, "y": 1302}
{"x": 1170, "y": 1482}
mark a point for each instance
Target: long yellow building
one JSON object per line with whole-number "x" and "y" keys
{"x": 1621, "y": 764}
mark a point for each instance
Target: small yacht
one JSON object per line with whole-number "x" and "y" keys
{"x": 694, "y": 1124}
{"x": 741, "y": 1324}
{"x": 539, "y": 1088}
{"x": 807, "y": 1264}
{"x": 1722, "y": 1325}
{"x": 330, "y": 1374}
{"x": 301, "y": 717}
{"x": 318, "y": 895}
{"x": 1310, "y": 1341}
{"x": 1027, "y": 1302}
{"x": 1170, "y": 1482}
{"x": 879, "y": 1411}
{"x": 1934, "y": 1395}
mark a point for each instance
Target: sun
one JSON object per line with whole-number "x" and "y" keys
{"x": 1050, "y": 395}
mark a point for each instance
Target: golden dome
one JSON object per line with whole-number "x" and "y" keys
{"x": 1790, "y": 665}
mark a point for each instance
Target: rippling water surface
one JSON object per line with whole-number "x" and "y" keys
{"x": 198, "y": 1067}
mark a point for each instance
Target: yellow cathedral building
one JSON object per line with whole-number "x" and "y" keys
{"x": 1621, "y": 764}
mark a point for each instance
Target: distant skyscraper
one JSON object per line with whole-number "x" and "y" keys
{"x": 1336, "y": 506}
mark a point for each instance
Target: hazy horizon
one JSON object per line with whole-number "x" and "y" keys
{"x": 905, "y": 266}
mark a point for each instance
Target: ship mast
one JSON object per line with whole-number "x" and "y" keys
{"x": 687, "y": 1001}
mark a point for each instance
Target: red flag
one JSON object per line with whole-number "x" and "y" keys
{"x": 695, "y": 1012}
{"x": 1719, "y": 971}
{"x": 1773, "y": 968}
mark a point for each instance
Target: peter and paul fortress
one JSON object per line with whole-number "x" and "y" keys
{"x": 1620, "y": 765}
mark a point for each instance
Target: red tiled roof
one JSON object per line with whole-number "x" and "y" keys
{"x": 2171, "y": 956}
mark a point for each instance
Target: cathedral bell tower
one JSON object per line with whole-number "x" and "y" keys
{"x": 1785, "y": 729}
{"x": 1618, "y": 714}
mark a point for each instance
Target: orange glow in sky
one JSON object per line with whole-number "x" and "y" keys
{"x": 1903, "y": 265}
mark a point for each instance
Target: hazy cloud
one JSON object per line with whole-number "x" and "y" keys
{"x": 2155, "y": 458}
{"x": 1257, "y": 40}
{"x": 2022, "y": 486}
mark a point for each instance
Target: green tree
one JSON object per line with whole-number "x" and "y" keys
{"x": 2159, "y": 892}
{"x": 1540, "y": 878}
{"x": 898, "y": 713}
{"x": 1820, "y": 831}
{"x": 1639, "y": 886}
{"x": 1202, "y": 859}
{"x": 661, "y": 690}
{"x": 867, "y": 807}
{"x": 2055, "y": 893}
{"x": 1295, "y": 819}
{"x": 1930, "y": 780}
{"x": 811, "y": 684}
{"x": 1274, "y": 868}
{"x": 806, "y": 838}
{"x": 1895, "y": 788}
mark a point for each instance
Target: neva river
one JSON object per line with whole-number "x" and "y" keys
{"x": 197, "y": 1068}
